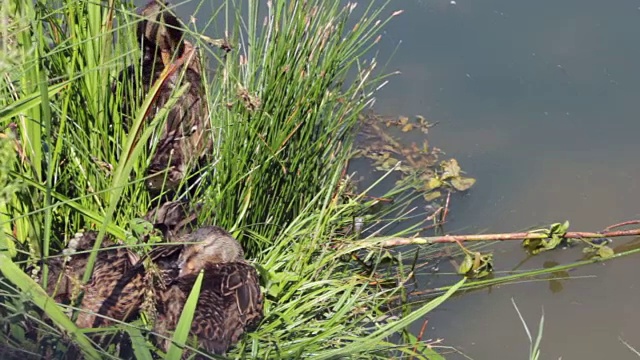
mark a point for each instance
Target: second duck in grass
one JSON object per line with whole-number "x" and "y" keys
{"x": 185, "y": 140}
{"x": 230, "y": 301}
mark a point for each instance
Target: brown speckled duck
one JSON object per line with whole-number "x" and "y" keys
{"x": 116, "y": 288}
{"x": 185, "y": 139}
{"x": 230, "y": 301}
{"x": 114, "y": 291}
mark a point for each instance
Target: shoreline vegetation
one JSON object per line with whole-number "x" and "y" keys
{"x": 289, "y": 88}
{"x": 285, "y": 107}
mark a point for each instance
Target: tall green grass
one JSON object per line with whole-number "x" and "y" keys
{"x": 305, "y": 71}
{"x": 284, "y": 113}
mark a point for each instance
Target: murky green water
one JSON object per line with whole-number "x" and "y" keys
{"x": 540, "y": 101}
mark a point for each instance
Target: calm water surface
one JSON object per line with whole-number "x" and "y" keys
{"x": 540, "y": 101}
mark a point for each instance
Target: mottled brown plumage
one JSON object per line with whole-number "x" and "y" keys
{"x": 114, "y": 290}
{"x": 185, "y": 139}
{"x": 173, "y": 218}
{"x": 230, "y": 301}
{"x": 160, "y": 33}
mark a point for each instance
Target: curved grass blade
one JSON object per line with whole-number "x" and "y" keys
{"x": 111, "y": 228}
{"x": 131, "y": 151}
{"x": 29, "y": 101}
{"x": 534, "y": 348}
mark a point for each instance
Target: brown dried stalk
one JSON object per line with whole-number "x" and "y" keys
{"x": 399, "y": 241}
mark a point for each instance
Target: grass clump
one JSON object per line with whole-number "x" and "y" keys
{"x": 284, "y": 110}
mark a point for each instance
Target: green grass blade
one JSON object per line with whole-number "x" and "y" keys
{"x": 369, "y": 342}
{"x": 133, "y": 148}
{"x": 12, "y": 272}
{"x": 181, "y": 334}
{"x": 28, "y": 102}
{"x": 139, "y": 344}
{"x": 111, "y": 228}
{"x": 536, "y": 345}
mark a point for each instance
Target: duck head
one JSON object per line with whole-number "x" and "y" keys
{"x": 208, "y": 245}
{"x": 160, "y": 31}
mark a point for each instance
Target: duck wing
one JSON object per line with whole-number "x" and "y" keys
{"x": 184, "y": 139}
{"x": 115, "y": 289}
{"x": 230, "y": 304}
{"x": 66, "y": 272}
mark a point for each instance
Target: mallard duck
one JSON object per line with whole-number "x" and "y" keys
{"x": 119, "y": 280}
{"x": 115, "y": 289}
{"x": 185, "y": 139}
{"x": 230, "y": 301}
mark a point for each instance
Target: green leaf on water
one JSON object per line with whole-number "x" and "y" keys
{"x": 559, "y": 229}
{"x": 588, "y": 250}
{"x": 466, "y": 265}
{"x": 556, "y": 234}
{"x": 389, "y": 163}
{"x": 433, "y": 183}
{"x": 450, "y": 169}
{"x": 407, "y": 128}
{"x": 432, "y": 195}
{"x": 552, "y": 242}
{"x": 605, "y": 252}
{"x": 476, "y": 265}
{"x": 483, "y": 265}
{"x": 462, "y": 183}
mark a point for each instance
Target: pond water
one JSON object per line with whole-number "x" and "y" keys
{"x": 539, "y": 101}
